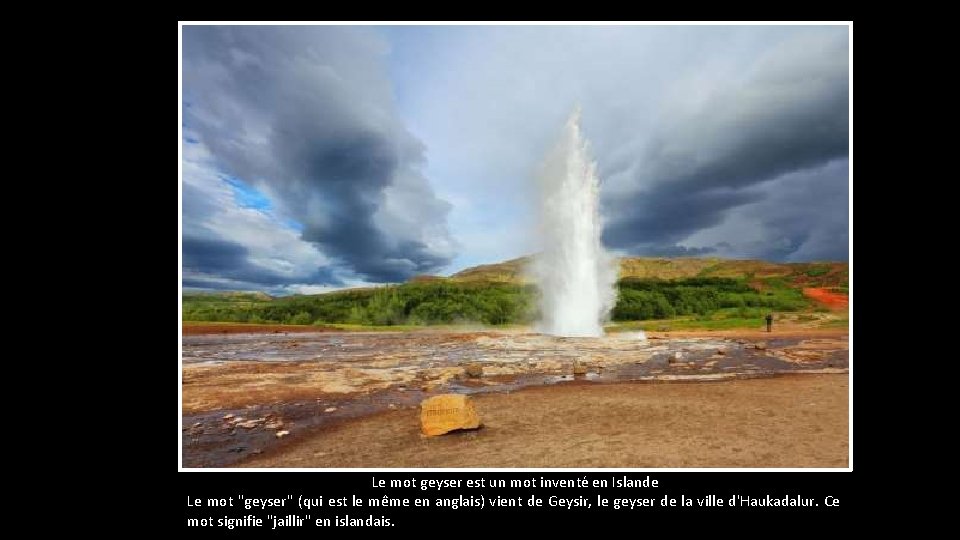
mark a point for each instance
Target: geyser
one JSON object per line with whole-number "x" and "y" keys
{"x": 575, "y": 274}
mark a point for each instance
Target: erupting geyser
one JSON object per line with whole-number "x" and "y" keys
{"x": 575, "y": 274}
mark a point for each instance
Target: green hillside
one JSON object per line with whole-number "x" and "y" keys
{"x": 816, "y": 274}
{"x": 498, "y": 294}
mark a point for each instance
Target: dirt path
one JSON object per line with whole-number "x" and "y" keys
{"x": 786, "y": 421}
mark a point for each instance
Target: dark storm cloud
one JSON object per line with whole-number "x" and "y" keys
{"x": 212, "y": 255}
{"x": 219, "y": 264}
{"x": 306, "y": 115}
{"x": 672, "y": 250}
{"x": 655, "y": 220}
{"x": 805, "y": 216}
{"x": 790, "y": 115}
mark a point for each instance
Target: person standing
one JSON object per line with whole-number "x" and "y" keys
{"x": 769, "y": 322}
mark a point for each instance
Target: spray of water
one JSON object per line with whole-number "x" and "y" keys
{"x": 575, "y": 274}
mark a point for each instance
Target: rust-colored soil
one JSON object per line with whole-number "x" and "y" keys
{"x": 786, "y": 421}
{"x": 826, "y": 297}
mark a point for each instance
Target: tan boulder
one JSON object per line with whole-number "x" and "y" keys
{"x": 447, "y": 412}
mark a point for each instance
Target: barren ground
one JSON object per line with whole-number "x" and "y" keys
{"x": 785, "y": 421}
{"x": 738, "y": 398}
{"x": 195, "y": 329}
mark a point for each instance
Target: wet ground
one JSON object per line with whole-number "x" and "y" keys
{"x": 249, "y": 394}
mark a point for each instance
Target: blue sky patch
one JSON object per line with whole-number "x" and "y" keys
{"x": 246, "y": 196}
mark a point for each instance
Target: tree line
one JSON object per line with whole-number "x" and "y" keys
{"x": 434, "y": 303}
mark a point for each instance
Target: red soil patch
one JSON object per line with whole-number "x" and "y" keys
{"x": 830, "y": 299}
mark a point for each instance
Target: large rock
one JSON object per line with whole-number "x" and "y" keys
{"x": 447, "y": 412}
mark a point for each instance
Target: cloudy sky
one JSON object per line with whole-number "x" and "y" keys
{"x": 324, "y": 157}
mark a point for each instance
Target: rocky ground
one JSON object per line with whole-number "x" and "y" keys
{"x": 784, "y": 421}
{"x": 255, "y": 398}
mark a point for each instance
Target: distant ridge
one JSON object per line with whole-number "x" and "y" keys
{"x": 511, "y": 271}
{"x": 808, "y": 273}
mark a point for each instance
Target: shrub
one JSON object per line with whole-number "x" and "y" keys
{"x": 493, "y": 303}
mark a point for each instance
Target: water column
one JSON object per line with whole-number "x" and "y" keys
{"x": 575, "y": 274}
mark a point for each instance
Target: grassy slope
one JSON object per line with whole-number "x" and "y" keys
{"x": 772, "y": 278}
{"x": 826, "y": 274}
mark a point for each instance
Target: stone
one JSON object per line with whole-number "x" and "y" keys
{"x": 249, "y": 424}
{"x": 474, "y": 370}
{"x": 447, "y": 412}
{"x": 274, "y": 425}
{"x": 579, "y": 368}
{"x": 721, "y": 352}
{"x": 330, "y": 409}
{"x": 282, "y": 433}
{"x": 761, "y": 345}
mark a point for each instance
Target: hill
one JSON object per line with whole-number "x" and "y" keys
{"x": 798, "y": 275}
{"x": 511, "y": 271}
{"x": 718, "y": 291}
